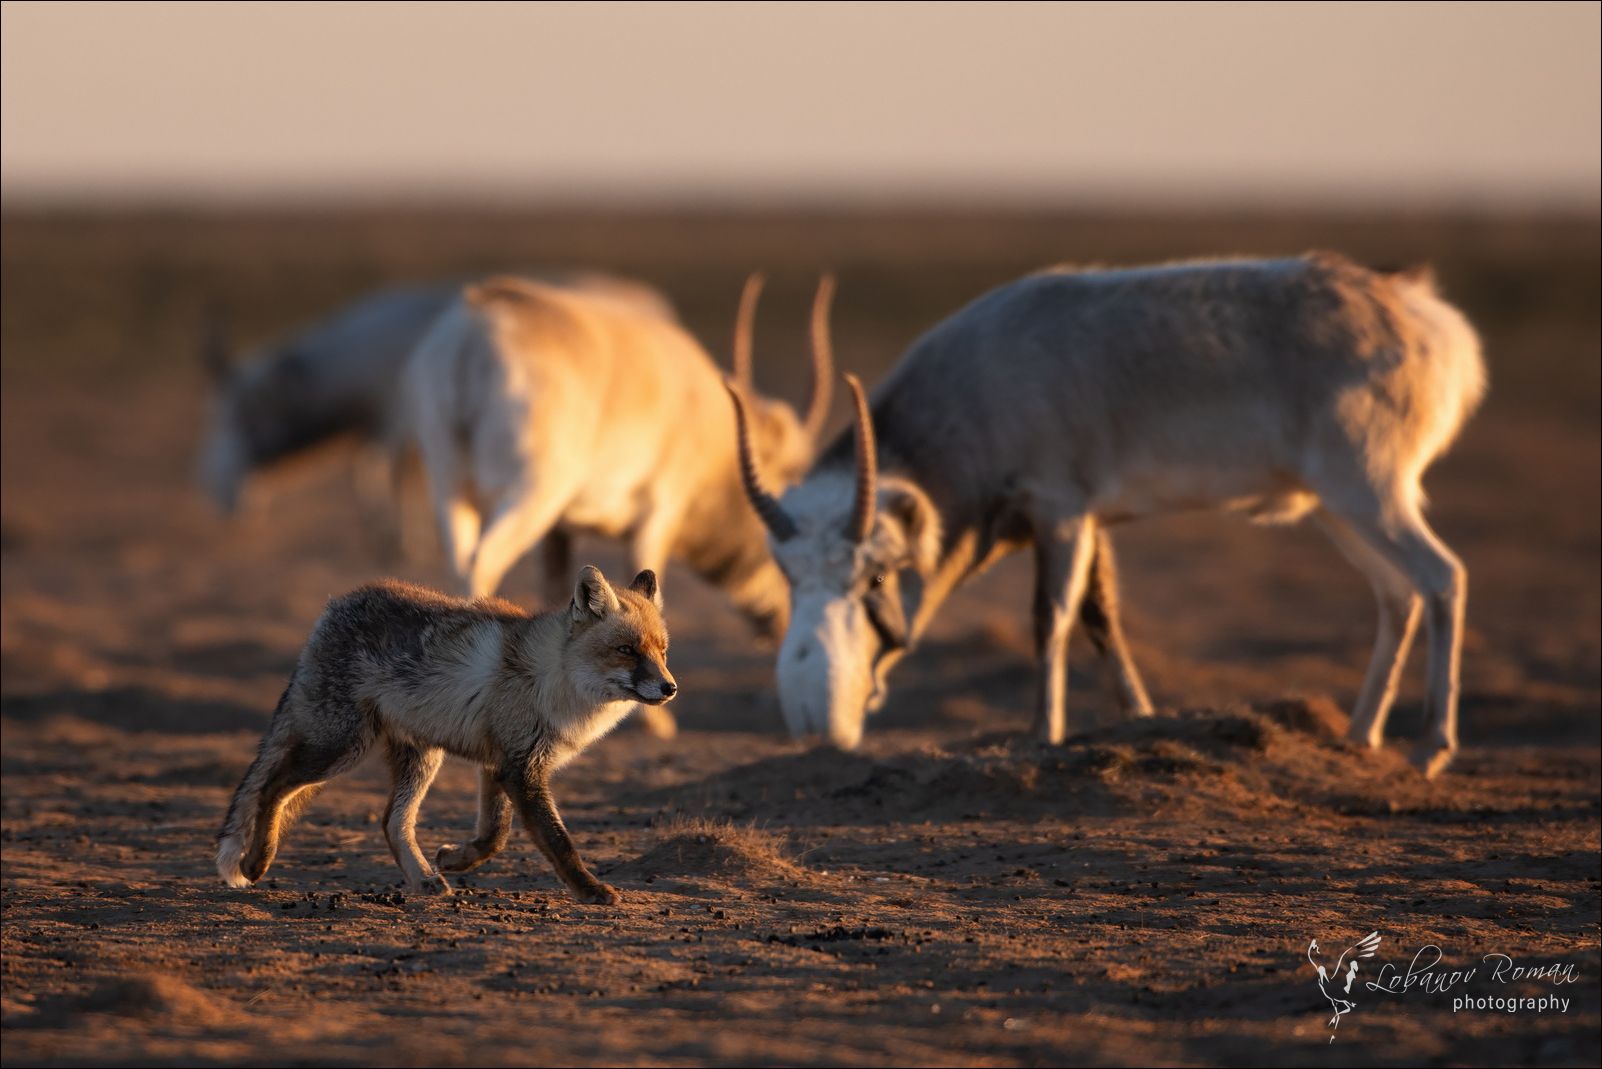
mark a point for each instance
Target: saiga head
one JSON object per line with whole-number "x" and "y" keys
{"x": 851, "y": 548}
{"x": 224, "y": 458}
{"x": 256, "y": 410}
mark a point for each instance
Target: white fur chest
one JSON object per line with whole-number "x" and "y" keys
{"x": 580, "y": 732}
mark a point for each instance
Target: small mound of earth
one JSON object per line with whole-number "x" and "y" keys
{"x": 1317, "y": 716}
{"x": 154, "y": 997}
{"x": 1288, "y": 752}
{"x": 691, "y": 848}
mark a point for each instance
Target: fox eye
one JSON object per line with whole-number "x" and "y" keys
{"x": 878, "y": 580}
{"x": 627, "y": 651}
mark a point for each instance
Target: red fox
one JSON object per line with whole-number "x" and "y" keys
{"x": 427, "y": 674}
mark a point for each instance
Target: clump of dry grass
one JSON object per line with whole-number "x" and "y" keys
{"x": 698, "y": 846}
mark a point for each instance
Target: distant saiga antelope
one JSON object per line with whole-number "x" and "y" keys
{"x": 340, "y": 378}
{"x": 1070, "y": 400}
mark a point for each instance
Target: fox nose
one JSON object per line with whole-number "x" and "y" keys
{"x": 669, "y": 688}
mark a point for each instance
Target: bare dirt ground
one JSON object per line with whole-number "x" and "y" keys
{"x": 951, "y": 894}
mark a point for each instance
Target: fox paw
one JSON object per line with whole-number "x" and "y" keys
{"x": 456, "y": 857}
{"x": 432, "y": 884}
{"x": 601, "y": 895}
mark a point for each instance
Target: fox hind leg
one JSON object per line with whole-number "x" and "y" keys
{"x": 292, "y": 781}
{"x": 494, "y": 828}
{"x": 412, "y": 770}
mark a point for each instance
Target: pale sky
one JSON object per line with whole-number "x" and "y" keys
{"x": 1468, "y": 104}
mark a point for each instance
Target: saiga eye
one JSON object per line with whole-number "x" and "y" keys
{"x": 878, "y": 580}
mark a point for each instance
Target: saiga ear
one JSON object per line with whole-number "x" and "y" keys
{"x": 645, "y": 584}
{"x": 594, "y": 596}
{"x": 918, "y": 518}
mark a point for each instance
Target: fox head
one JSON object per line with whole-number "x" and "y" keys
{"x": 617, "y": 641}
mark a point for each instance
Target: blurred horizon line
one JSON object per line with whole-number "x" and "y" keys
{"x": 1382, "y": 107}
{"x": 888, "y": 204}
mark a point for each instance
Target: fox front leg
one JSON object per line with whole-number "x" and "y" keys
{"x": 530, "y": 792}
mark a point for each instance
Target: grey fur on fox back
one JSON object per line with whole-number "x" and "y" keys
{"x": 424, "y": 674}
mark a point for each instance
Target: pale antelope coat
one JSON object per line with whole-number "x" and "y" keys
{"x": 340, "y": 378}
{"x": 1073, "y": 399}
{"x": 541, "y": 412}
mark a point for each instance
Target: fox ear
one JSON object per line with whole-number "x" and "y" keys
{"x": 594, "y": 596}
{"x": 645, "y": 585}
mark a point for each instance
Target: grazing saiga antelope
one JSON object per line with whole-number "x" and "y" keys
{"x": 541, "y": 412}
{"x": 340, "y": 378}
{"x": 1074, "y": 399}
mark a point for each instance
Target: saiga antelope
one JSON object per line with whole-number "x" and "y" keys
{"x": 541, "y": 412}
{"x": 1071, "y": 400}
{"x": 339, "y": 378}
